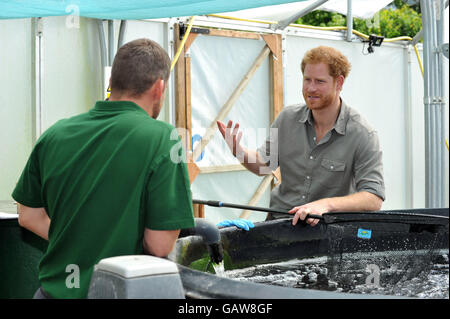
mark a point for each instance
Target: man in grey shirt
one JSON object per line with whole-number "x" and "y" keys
{"x": 329, "y": 156}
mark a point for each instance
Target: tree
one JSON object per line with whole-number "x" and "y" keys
{"x": 397, "y": 20}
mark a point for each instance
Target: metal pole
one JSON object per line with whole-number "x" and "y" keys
{"x": 284, "y": 23}
{"x": 101, "y": 35}
{"x": 349, "y": 20}
{"x": 111, "y": 51}
{"x": 123, "y": 25}
{"x": 441, "y": 109}
{"x": 38, "y": 69}
{"x": 432, "y": 26}
{"x": 426, "y": 16}
{"x": 103, "y": 54}
{"x": 417, "y": 37}
{"x": 409, "y": 185}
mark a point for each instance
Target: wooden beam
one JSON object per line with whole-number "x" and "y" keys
{"x": 277, "y": 174}
{"x": 272, "y": 41}
{"x": 222, "y": 169}
{"x": 199, "y": 211}
{"x": 230, "y": 102}
{"x": 234, "y": 34}
{"x": 265, "y": 183}
{"x": 188, "y": 105}
{"x": 276, "y": 74}
{"x": 190, "y": 40}
{"x": 183, "y": 102}
{"x": 193, "y": 169}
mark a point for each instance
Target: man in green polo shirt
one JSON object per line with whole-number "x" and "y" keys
{"x": 103, "y": 184}
{"x": 329, "y": 156}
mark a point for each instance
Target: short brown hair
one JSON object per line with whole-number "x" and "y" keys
{"x": 338, "y": 63}
{"x": 137, "y": 65}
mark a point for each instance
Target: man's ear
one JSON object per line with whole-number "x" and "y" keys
{"x": 158, "y": 89}
{"x": 340, "y": 82}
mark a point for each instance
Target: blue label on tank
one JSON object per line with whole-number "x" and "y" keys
{"x": 364, "y": 233}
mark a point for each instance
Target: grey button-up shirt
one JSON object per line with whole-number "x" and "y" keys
{"x": 347, "y": 159}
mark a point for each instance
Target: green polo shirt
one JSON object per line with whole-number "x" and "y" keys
{"x": 347, "y": 159}
{"x": 103, "y": 177}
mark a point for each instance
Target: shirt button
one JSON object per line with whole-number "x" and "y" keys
{"x": 307, "y": 177}
{"x": 303, "y": 196}
{"x": 311, "y": 157}
{"x": 331, "y": 167}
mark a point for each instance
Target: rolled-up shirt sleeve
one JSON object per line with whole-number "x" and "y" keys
{"x": 368, "y": 165}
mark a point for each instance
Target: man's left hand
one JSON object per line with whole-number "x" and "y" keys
{"x": 318, "y": 207}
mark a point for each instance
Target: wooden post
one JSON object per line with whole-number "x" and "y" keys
{"x": 199, "y": 211}
{"x": 180, "y": 83}
{"x": 183, "y": 106}
{"x": 188, "y": 111}
{"x": 276, "y": 74}
{"x": 183, "y": 89}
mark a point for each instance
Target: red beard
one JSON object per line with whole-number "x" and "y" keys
{"x": 318, "y": 102}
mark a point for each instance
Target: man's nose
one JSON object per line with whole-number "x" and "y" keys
{"x": 311, "y": 87}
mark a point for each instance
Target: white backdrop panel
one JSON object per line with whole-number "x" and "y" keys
{"x": 15, "y": 101}
{"x": 72, "y": 71}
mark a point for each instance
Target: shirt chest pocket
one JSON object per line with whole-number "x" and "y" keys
{"x": 331, "y": 173}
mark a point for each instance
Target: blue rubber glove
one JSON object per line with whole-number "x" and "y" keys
{"x": 239, "y": 223}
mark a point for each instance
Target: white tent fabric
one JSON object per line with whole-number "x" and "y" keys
{"x": 124, "y": 9}
{"x": 363, "y": 9}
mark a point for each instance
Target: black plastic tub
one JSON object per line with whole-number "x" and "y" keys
{"x": 268, "y": 242}
{"x": 20, "y": 253}
{"x": 278, "y": 240}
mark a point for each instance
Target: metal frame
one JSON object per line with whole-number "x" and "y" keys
{"x": 111, "y": 46}
{"x": 349, "y": 20}
{"x": 434, "y": 102}
{"x": 284, "y": 23}
{"x": 409, "y": 185}
{"x": 37, "y": 78}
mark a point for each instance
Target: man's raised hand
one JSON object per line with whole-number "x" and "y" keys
{"x": 232, "y": 136}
